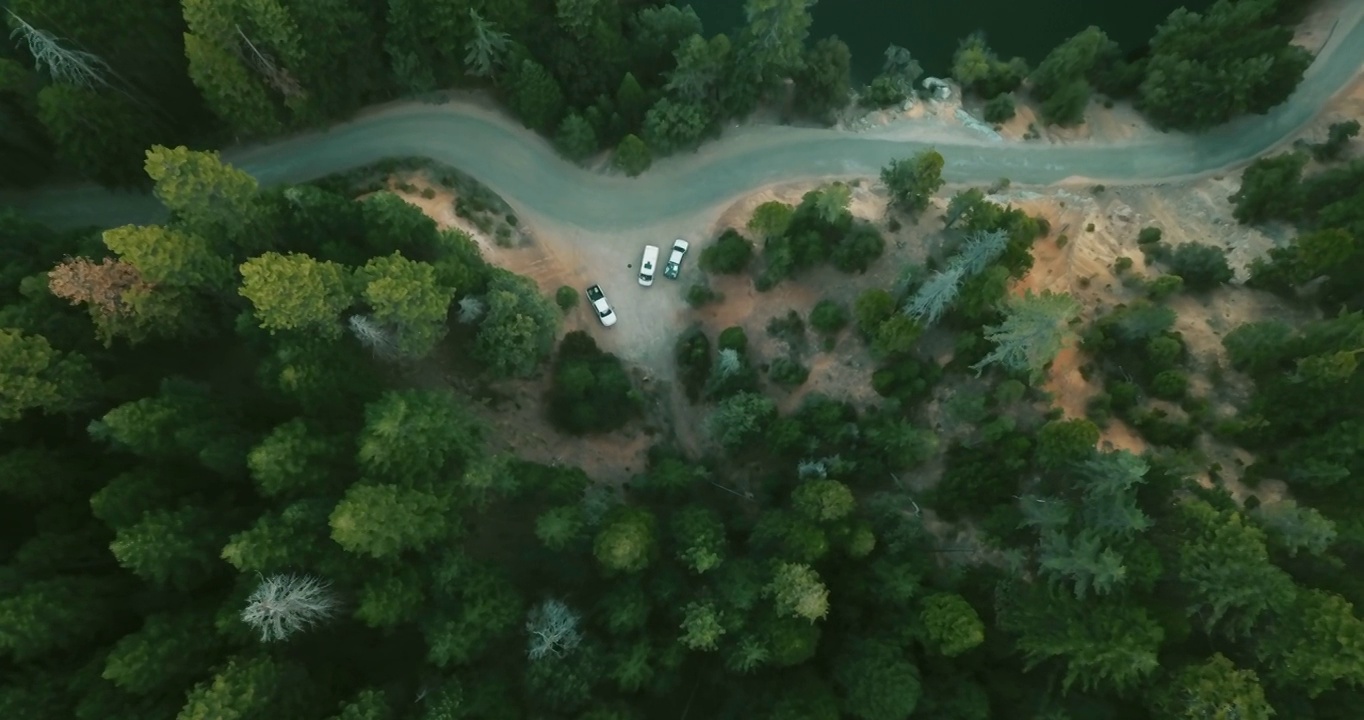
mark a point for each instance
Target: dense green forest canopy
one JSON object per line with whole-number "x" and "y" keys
{"x": 87, "y": 87}
{"x": 244, "y": 476}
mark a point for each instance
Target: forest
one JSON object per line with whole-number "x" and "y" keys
{"x": 244, "y": 477}
{"x": 83, "y": 95}
{"x": 246, "y": 471}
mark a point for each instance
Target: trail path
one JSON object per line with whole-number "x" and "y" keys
{"x": 525, "y": 170}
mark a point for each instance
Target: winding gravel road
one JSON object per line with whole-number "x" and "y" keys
{"x": 525, "y": 170}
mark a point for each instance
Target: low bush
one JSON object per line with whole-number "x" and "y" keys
{"x": 828, "y": 316}
{"x": 730, "y": 254}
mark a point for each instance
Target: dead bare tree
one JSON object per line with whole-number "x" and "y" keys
{"x": 62, "y": 64}
{"x": 278, "y": 77}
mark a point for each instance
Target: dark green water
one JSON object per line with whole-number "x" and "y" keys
{"x": 930, "y": 29}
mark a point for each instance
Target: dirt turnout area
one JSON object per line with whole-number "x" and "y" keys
{"x": 1100, "y": 225}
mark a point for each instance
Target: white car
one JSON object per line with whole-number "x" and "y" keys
{"x": 603, "y": 308}
{"x": 674, "y": 265}
{"x": 647, "y": 265}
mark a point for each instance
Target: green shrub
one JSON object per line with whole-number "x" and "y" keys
{"x": 591, "y": 391}
{"x": 632, "y": 156}
{"x": 1170, "y": 385}
{"x": 1164, "y": 286}
{"x": 1000, "y": 109}
{"x": 566, "y": 298}
{"x": 693, "y": 357}
{"x": 699, "y": 294}
{"x": 789, "y": 328}
{"x": 828, "y": 316}
{"x": 1062, "y": 240}
{"x": 1148, "y": 235}
{"x": 1203, "y": 267}
{"x": 1124, "y": 396}
{"x": 428, "y": 193}
{"x": 733, "y": 338}
{"x": 1164, "y": 352}
{"x": 787, "y": 372}
{"x": 873, "y": 307}
{"x": 729, "y": 254}
{"x": 1122, "y": 265}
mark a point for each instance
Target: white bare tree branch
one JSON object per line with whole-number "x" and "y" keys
{"x": 553, "y": 628}
{"x": 380, "y": 340}
{"x": 471, "y": 309}
{"x": 278, "y": 77}
{"x": 63, "y": 65}
{"x": 285, "y": 604}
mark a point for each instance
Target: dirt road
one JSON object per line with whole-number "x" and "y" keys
{"x": 526, "y": 171}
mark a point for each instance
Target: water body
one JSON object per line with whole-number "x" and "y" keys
{"x": 930, "y": 29}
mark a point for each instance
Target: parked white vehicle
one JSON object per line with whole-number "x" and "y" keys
{"x": 647, "y": 265}
{"x": 674, "y": 265}
{"x": 603, "y": 308}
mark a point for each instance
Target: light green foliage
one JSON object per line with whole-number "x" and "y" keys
{"x": 390, "y": 597}
{"x": 1214, "y": 689}
{"x": 408, "y": 297}
{"x": 878, "y": 681}
{"x": 535, "y": 96}
{"x": 1225, "y": 570}
{"x": 278, "y": 541}
{"x": 1294, "y": 527}
{"x": 912, "y": 181}
{"x": 1203, "y": 267}
{"x": 1235, "y": 46}
{"x": 699, "y": 534}
{"x": 247, "y": 687}
{"x": 823, "y": 500}
{"x": 627, "y": 541}
{"x": 1060, "y": 81}
{"x": 1061, "y": 443}
{"x": 731, "y": 252}
{"x": 486, "y": 51}
{"x": 208, "y": 198}
{"x": 294, "y": 459}
{"x": 671, "y": 126}
{"x": 170, "y": 257}
{"x": 1271, "y": 189}
{"x": 797, "y": 591}
{"x": 950, "y": 625}
{"x": 47, "y": 616}
{"x": 1315, "y": 644}
{"x": 177, "y": 548}
{"x": 1035, "y": 328}
{"x": 632, "y": 156}
{"x": 561, "y": 527}
{"x": 100, "y": 133}
{"x": 412, "y": 436}
{"x": 384, "y": 521}
{"x": 1104, "y": 643}
{"x": 771, "y": 219}
{"x": 168, "y": 651}
{"x": 576, "y": 139}
{"x": 297, "y": 293}
{"x": 977, "y": 68}
{"x": 699, "y": 67}
{"x": 519, "y": 328}
{"x": 182, "y": 421}
{"x": 775, "y": 36}
{"x": 824, "y": 85}
{"x": 740, "y": 419}
{"x": 367, "y": 705}
{"x": 36, "y": 376}
{"x": 477, "y": 606}
{"x": 701, "y": 626}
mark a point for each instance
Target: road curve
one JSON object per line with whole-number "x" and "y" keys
{"x": 525, "y": 170}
